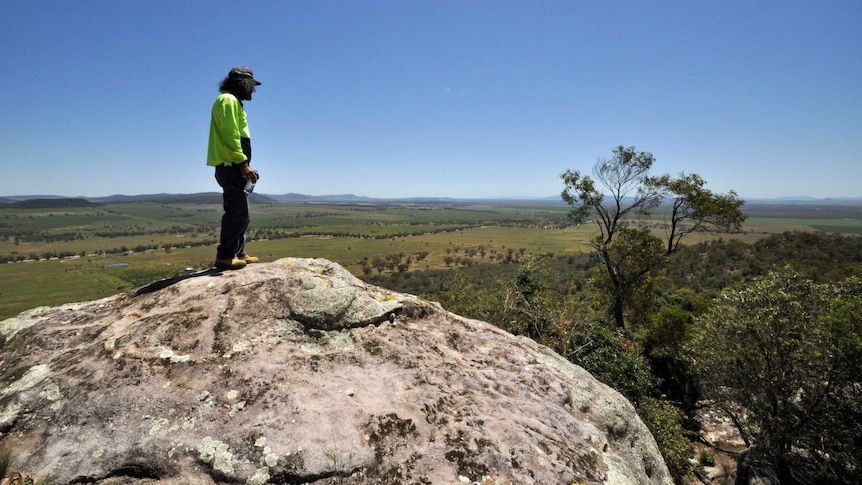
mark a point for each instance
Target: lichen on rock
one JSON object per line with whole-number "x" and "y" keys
{"x": 217, "y": 453}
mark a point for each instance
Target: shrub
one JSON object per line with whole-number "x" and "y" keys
{"x": 664, "y": 420}
{"x": 707, "y": 458}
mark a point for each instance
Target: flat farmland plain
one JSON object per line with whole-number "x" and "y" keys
{"x": 60, "y": 254}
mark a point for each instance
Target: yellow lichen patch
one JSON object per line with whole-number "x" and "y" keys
{"x": 268, "y": 458}
{"x": 52, "y": 393}
{"x": 28, "y": 380}
{"x": 168, "y": 354}
{"x": 217, "y": 453}
{"x": 158, "y": 425}
{"x": 260, "y": 477}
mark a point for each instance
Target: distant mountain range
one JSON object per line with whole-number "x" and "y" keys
{"x": 216, "y": 198}
{"x": 37, "y": 201}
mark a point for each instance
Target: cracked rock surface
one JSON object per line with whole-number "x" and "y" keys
{"x": 296, "y": 372}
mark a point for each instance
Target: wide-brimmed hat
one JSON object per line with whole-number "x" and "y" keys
{"x": 240, "y": 72}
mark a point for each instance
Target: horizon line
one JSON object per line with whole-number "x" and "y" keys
{"x": 799, "y": 198}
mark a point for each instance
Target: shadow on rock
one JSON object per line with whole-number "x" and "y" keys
{"x": 162, "y": 284}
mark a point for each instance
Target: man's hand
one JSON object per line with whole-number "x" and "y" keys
{"x": 250, "y": 174}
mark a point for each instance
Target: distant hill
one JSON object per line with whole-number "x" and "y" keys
{"x": 198, "y": 198}
{"x": 359, "y": 199}
{"x": 61, "y": 203}
{"x": 216, "y": 198}
{"x": 294, "y": 197}
{"x": 131, "y": 198}
{"x": 15, "y": 198}
{"x": 806, "y": 200}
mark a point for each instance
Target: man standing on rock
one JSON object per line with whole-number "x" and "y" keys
{"x": 230, "y": 153}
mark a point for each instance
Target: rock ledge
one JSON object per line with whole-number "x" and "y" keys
{"x": 296, "y": 372}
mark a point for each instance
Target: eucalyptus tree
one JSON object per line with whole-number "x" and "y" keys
{"x": 621, "y": 189}
{"x": 695, "y": 208}
{"x": 625, "y": 177}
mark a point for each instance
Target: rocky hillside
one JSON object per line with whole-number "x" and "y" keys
{"x": 296, "y": 372}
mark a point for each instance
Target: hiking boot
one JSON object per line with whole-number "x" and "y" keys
{"x": 233, "y": 263}
{"x": 249, "y": 259}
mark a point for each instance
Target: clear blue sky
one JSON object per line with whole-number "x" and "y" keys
{"x": 433, "y": 98}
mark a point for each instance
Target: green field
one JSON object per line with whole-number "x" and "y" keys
{"x": 56, "y": 255}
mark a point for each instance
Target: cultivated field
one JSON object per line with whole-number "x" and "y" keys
{"x": 59, "y": 254}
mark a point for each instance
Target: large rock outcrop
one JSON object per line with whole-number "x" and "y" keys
{"x": 296, "y": 372}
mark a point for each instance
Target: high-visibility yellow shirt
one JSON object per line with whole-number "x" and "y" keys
{"x": 229, "y": 133}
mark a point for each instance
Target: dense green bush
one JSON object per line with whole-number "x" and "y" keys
{"x": 665, "y": 421}
{"x": 788, "y": 351}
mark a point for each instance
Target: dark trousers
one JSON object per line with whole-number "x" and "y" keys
{"x": 235, "y": 220}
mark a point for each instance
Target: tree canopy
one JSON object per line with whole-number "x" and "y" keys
{"x": 623, "y": 175}
{"x": 783, "y": 357}
{"x": 694, "y": 208}
{"x": 621, "y": 187}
